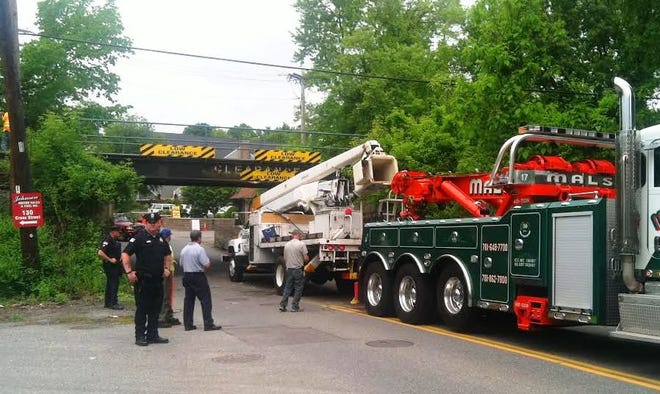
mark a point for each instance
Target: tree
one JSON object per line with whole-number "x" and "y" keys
{"x": 242, "y": 132}
{"x": 128, "y": 136}
{"x": 539, "y": 62}
{"x": 77, "y": 185}
{"x": 63, "y": 67}
{"x": 402, "y": 44}
{"x": 205, "y": 199}
{"x": 199, "y": 129}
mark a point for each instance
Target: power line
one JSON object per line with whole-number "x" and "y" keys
{"x": 299, "y": 68}
{"x": 252, "y": 63}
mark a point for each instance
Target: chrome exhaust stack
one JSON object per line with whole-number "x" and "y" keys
{"x": 628, "y": 182}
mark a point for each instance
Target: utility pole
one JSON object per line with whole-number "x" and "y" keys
{"x": 20, "y": 164}
{"x": 301, "y": 80}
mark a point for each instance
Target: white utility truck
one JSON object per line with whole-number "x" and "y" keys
{"x": 319, "y": 202}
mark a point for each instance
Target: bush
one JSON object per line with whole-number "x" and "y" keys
{"x": 65, "y": 272}
{"x": 77, "y": 187}
{"x": 14, "y": 279}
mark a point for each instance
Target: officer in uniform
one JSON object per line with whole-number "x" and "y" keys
{"x": 166, "y": 317}
{"x": 153, "y": 262}
{"x": 110, "y": 253}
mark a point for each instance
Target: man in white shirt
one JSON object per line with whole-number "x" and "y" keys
{"x": 194, "y": 261}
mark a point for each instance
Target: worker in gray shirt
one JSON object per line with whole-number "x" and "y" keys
{"x": 193, "y": 261}
{"x": 295, "y": 257}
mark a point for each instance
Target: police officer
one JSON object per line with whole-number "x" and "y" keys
{"x": 166, "y": 317}
{"x": 152, "y": 263}
{"x": 110, "y": 253}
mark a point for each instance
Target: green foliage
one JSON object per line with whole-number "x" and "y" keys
{"x": 518, "y": 62}
{"x": 14, "y": 278}
{"x": 77, "y": 188}
{"x": 388, "y": 38}
{"x": 199, "y": 129}
{"x": 91, "y": 114}
{"x": 128, "y": 136}
{"x": 503, "y": 64}
{"x": 76, "y": 185}
{"x": 418, "y": 145}
{"x": 57, "y": 73}
{"x": 204, "y": 199}
{"x": 65, "y": 272}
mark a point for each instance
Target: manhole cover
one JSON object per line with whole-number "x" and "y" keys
{"x": 389, "y": 343}
{"x": 237, "y": 358}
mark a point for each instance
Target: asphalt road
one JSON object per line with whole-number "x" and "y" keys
{"x": 330, "y": 347}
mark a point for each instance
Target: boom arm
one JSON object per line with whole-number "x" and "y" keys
{"x": 540, "y": 179}
{"x": 371, "y": 167}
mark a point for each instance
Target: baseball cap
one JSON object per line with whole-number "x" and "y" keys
{"x": 152, "y": 217}
{"x": 295, "y": 231}
{"x": 115, "y": 228}
{"x": 165, "y": 232}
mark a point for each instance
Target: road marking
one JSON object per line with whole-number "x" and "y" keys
{"x": 564, "y": 361}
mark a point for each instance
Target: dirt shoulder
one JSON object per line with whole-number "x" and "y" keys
{"x": 77, "y": 312}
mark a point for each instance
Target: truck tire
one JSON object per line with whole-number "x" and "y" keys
{"x": 377, "y": 291}
{"x": 414, "y": 300}
{"x": 452, "y": 300}
{"x": 280, "y": 277}
{"x": 234, "y": 272}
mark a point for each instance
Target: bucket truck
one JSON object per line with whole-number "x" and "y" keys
{"x": 322, "y": 208}
{"x": 551, "y": 241}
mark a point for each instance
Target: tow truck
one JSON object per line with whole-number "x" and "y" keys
{"x": 553, "y": 242}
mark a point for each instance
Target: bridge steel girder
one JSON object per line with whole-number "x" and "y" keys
{"x": 204, "y": 172}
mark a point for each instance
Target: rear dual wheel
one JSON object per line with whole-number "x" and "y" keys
{"x": 414, "y": 300}
{"x": 452, "y": 299}
{"x": 377, "y": 290}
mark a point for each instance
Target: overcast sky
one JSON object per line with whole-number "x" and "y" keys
{"x": 173, "y": 89}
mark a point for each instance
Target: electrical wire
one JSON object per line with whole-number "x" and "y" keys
{"x": 300, "y": 68}
{"x": 253, "y": 63}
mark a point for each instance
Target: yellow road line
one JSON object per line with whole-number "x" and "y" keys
{"x": 566, "y": 362}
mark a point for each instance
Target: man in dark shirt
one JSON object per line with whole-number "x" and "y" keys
{"x": 153, "y": 259}
{"x": 110, "y": 253}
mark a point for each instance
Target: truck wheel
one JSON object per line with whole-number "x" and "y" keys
{"x": 280, "y": 277}
{"x": 452, "y": 300}
{"x": 414, "y": 299}
{"x": 377, "y": 291}
{"x": 234, "y": 272}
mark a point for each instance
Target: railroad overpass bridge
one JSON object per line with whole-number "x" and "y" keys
{"x": 208, "y": 172}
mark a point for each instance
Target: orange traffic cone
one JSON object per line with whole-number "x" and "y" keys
{"x": 356, "y": 296}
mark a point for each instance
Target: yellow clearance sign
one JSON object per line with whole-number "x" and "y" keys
{"x": 162, "y": 150}
{"x": 287, "y": 156}
{"x": 267, "y": 174}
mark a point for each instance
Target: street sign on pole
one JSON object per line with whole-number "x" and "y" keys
{"x": 27, "y": 209}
